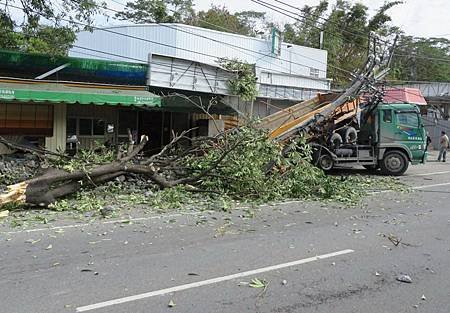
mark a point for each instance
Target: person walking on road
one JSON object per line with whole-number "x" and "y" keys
{"x": 444, "y": 144}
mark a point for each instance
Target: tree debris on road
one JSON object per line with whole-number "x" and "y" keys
{"x": 242, "y": 165}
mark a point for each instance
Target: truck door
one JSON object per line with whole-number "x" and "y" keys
{"x": 409, "y": 132}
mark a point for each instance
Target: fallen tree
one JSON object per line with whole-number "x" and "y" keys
{"x": 234, "y": 164}
{"x": 165, "y": 169}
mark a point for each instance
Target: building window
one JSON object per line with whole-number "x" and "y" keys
{"x": 26, "y": 119}
{"x": 127, "y": 120}
{"x": 314, "y": 72}
{"x": 85, "y": 127}
{"x": 98, "y": 127}
{"x": 71, "y": 127}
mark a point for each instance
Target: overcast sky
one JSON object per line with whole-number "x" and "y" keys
{"x": 421, "y": 18}
{"x": 424, "y": 18}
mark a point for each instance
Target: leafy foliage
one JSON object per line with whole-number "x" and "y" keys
{"x": 40, "y": 30}
{"x": 244, "y": 84}
{"x": 245, "y": 174}
{"x": 421, "y": 59}
{"x": 220, "y": 18}
{"x": 346, "y": 33}
{"x": 158, "y": 11}
{"x": 85, "y": 158}
{"x": 255, "y": 170}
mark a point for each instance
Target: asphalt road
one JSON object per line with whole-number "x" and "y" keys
{"x": 313, "y": 258}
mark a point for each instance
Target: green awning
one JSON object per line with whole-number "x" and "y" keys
{"x": 65, "y": 93}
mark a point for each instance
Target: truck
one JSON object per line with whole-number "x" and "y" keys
{"x": 381, "y": 135}
{"x": 388, "y": 137}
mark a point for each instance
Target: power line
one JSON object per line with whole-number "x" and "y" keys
{"x": 253, "y": 51}
{"x": 297, "y": 17}
{"x": 241, "y": 48}
{"x": 162, "y": 64}
{"x": 416, "y": 81}
{"x": 158, "y": 43}
{"x": 245, "y": 49}
{"x": 275, "y": 8}
{"x": 178, "y": 48}
{"x": 144, "y": 62}
{"x": 356, "y": 33}
{"x": 412, "y": 55}
{"x": 117, "y": 33}
{"x": 360, "y": 34}
{"x": 153, "y": 62}
{"x": 233, "y": 32}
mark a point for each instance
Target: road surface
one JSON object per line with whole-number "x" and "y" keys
{"x": 312, "y": 257}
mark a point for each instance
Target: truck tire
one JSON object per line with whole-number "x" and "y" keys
{"x": 351, "y": 135}
{"x": 394, "y": 163}
{"x": 325, "y": 162}
{"x": 336, "y": 140}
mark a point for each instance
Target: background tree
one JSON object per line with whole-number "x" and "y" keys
{"x": 421, "y": 59}
{"x": 246, "y": 23}
{"x": 346, "y": 31}
{"x": 219, "y": 18}
{"x": 42, "y": 28}
{"x": 158, "y": 11}
{"x": 306, "y": 31}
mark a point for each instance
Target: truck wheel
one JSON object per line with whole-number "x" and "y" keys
{"x": 351, "y": 135}
{"x": 394, "y": 163}
{"x": 325, "y": 162}
{"x": 336, "y": 140}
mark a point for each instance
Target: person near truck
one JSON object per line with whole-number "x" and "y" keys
{"x": 444, "y": 144}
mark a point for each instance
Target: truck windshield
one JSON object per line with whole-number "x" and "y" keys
{"x": 408, "y": 119}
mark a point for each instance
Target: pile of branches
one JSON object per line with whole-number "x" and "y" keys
{"x": 242, "y": 164}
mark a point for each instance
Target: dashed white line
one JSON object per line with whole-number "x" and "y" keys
{"x": 431, "y": 186}
{"x": 413, "y": 188}
{"x": 428, "y": 174}
{"x": 209, "y": 281}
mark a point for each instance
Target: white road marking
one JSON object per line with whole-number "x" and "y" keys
{"x": 414, "y": 188}
{"x": 135, "y": 219}
{"x": 428, "y": 174}
{"x": 430, "y": 186}
{"x": 209, "y": 281}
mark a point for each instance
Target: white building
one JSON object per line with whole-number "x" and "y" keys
{"x": 284, "y": 71}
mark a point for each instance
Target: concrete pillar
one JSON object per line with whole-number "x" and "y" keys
{"x": 58, "y": 141}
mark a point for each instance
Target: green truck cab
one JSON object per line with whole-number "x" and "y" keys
{"x": 387, "y": 137}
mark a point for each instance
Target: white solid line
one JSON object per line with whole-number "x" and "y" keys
{"x": 136, "y": 219}
{"x": 414, "y": 188}
{"x": 430, "y": 186}
{"x": 209, "y": 281}
{"x": 428, "y": 174}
